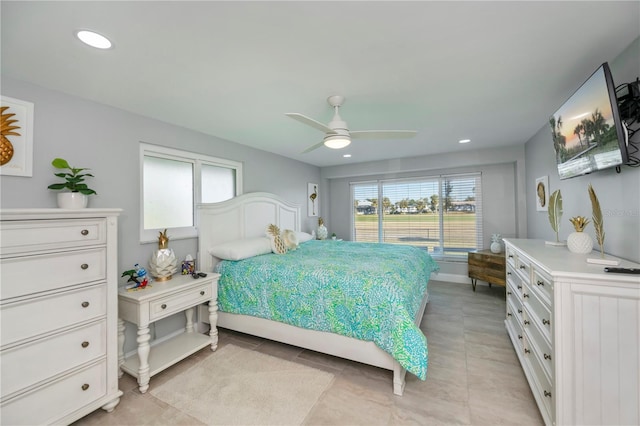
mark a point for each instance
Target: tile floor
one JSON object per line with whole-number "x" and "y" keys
{"x": 474, "y": 377}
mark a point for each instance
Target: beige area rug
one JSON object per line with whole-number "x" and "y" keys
{"x": 237, "y": 386}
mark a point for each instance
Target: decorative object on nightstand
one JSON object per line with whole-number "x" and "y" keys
{"x": 188, "y": 266}
{"x": 321, "y": 232}
{"x": 163, "y": 263}
{"x": 77, "y": 196}
{"x": 496, "y": 243}
{"x": 555, "y": 215}
{"x": 579, "y": 241}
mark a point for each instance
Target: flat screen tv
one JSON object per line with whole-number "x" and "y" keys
{"x": 588, "y": 134}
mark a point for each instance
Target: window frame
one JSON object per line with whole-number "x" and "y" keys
{"x": 197, "y": 160}
{"x": 441, "y": 180}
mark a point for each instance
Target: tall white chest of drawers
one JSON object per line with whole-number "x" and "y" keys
{"x": 58, "y": 313}
{"x": 576, "y": 331}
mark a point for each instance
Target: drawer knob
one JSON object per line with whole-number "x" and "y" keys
{"x": 164, "y": 306}
{"x": 85, "y": 304}
{"x": 202, "y": 293}
{"x": 509, "y": 293}
{"x": 510, "y": 256}
{"x": 519, "y": 311}
{"x": 85, "y": 387}
{"x": 527, "y": 351}
{"x": 85, "y": 344}
{"x": 520, "y": 336}
{"x": 540, "y": 282}
{"x": 523, "y": 267}
{"x": 508, "y": 273}
{"x": 509, "y": 314}
{"x": 545, "y": 321}
{"x": 84, "y": 266}
{"x": 547, "y": 356}
{"x": 547, "y": 394}
{"x": 519, "y": 287}
{"x": 526, "y": 322}
{"x": 85, "y": 232}
{"x": 525, "y": 294}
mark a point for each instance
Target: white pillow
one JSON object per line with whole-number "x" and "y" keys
{"x": 303, "y": 236}
{"x": 241, "y": 249}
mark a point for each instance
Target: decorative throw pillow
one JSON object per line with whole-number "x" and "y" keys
{"x": 290, "y": 239}
{"x": 303, "y": 237}
{"x": 277, "y": 243}
{"x": 241, "y": 249}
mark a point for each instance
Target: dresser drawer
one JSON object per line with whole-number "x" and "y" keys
{"x": 543, "y": 285}
{"x": 38, "y": 235}
{"x": 538, "y": 311}
{"x": 541, "y": 387}
{"x": 49, "y": 313}
{"x": 169, "y": 305}
{"x": 541, "y": 346}
{"x": 48, "y": 357}
{"x": 33, "y": 274}
{"x": 58, "y": 399}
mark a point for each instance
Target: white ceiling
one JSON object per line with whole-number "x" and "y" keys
{"x": 489, "y": 71}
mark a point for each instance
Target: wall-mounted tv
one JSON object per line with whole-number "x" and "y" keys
{"x": 588, "y": 134}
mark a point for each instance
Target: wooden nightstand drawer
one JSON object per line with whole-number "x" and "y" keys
{"x": 486, "y": 266}
{"x": 51, "y": 356}
{"x": 54, "y": 271}
{"x": 45, "y": 314}
{"x": 38, "y": 235}
{"x": 179, "y": 302}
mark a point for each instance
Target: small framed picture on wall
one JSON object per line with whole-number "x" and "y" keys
{"x": 313, "y": 199}
{"x": 542, "y": 194}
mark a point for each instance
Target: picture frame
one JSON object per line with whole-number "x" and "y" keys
{"x": 20, "y": 139}
{"x": 313, "y": 199}
{"x": 542, "y": 194}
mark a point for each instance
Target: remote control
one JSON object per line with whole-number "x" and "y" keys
{"x": 623, "y": 270}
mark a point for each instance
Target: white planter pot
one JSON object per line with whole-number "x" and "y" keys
{"x": 580, "y": 243}
{"x": 72, "y": 200}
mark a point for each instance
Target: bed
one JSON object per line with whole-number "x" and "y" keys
{"x": 245, "y": 218}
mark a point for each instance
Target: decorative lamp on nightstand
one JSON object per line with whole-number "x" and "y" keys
{"x": 163, "y": 263}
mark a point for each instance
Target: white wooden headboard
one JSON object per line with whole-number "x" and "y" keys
{"x": 245, "y": 216}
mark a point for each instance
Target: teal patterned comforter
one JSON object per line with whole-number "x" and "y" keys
{"x": 368, "y": 291}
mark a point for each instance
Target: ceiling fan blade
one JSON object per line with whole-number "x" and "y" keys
{"x": 309, "y": 122}
{"x": 383, "y": 134}
{"x": 311, "y": 148}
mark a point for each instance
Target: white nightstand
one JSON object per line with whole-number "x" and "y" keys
{"x": 160, "y": 300}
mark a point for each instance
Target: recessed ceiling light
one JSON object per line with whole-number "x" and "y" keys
{"x": 347, "y": 156}
{"x": 464, "y": 141}
{"x": 93, "y": 39}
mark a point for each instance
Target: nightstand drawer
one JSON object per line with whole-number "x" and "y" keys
{"x": 48, "y": 403}
{"x": 48, "y": 357}
{"x": 53, "y": 271}
{"x": 169, "y": 305}
{"x": 49, "y": 313}
{"x": 38, "y": 235}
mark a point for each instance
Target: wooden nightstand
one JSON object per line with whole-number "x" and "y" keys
{"x": 486, "y": 266}
{"x": 160, "y": 300}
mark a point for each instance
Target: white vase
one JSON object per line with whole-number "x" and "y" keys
{"x": 322, "y": 232}
{"x": 580, "y": 243}
{"x": 72, "y": 200}
{"x": 496, "y": 247}
{"x": 163, "y": 264}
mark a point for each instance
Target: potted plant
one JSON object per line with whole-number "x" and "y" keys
{"x": 77, "y": 195}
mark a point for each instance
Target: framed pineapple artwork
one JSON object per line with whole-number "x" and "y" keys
{"x": 16, "y": 140}
{"x": 313, "y": 199}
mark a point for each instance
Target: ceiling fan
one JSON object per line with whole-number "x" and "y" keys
{"x": 337, "y": 134}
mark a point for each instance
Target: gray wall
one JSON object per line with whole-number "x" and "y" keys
{"x": 619, "y": 194}
{"x": 106, "y": 140}
{"x": 503, "y": 204}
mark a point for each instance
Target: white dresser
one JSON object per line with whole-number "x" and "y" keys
{"x": 58, "y": 313}
{"x": 576, "y": 331}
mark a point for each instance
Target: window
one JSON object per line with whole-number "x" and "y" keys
{"x": 442, "y": 214}
{"x": 173, "y": 182}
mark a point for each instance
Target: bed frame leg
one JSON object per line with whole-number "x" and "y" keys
{"x": 399, "y": 374}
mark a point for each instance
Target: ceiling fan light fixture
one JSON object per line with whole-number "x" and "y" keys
{"x": 93, "y": 39}
{"x": 337, "y": 141}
